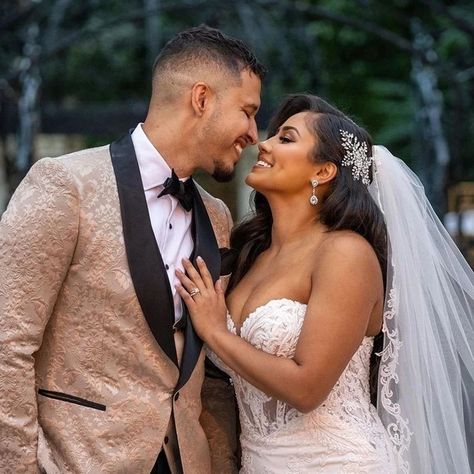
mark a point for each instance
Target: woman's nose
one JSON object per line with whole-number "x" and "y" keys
{"x": 264, "y": 147}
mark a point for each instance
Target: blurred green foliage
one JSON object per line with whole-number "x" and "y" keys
{"x": 359, "y": 54}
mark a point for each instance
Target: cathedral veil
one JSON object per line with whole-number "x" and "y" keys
{"x": 426, "y": 375}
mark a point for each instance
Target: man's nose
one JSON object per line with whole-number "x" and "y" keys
{"x": 253, "y": 132}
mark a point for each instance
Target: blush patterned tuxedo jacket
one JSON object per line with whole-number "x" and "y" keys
{"x": 92, "y": 377}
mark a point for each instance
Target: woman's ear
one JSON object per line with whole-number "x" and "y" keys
{"x": 200, "y": 97}
{"x": 325, "y": 172}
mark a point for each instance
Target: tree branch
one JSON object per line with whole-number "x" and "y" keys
{"x": 16, "y": 16}
{"x": 363, "y": 25}
{"x": 94, "y": 29}
{"x": 460, "y": 22}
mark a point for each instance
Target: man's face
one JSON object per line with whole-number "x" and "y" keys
{"x": 231, "y": 127}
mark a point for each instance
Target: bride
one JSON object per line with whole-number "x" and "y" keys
{"x": 342, "y": 268}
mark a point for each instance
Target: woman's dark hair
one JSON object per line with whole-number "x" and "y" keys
{"x": 347, "y": 206}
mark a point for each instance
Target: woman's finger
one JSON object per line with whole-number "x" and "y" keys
{"x": 205, "y": 275}
{"x": 219, "y": 289}
{"x": 187, "y": 298}
{"x": 187, "y": 283}
{"x": 193, "y": 274}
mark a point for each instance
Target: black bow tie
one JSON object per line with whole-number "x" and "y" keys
{"x": 182, "y": 191}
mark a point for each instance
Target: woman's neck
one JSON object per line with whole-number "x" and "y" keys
{"x": 293, "y": 223}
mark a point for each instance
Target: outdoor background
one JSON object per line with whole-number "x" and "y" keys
{"x": 75, "y": 74}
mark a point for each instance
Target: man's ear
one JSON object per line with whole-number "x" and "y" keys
{"x": 201, "y": 95}
{"x": 325, "y": 172}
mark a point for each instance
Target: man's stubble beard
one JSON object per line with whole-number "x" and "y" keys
{"x": 221, "y": 173}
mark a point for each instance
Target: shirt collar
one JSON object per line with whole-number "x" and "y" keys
{"x": 153, "y": 168}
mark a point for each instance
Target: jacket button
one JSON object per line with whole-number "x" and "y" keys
{"x": 176, "y": 396}
{"x": 166, "y": 439}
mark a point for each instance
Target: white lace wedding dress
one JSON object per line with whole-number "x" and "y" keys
{"x": 343, "y": 435}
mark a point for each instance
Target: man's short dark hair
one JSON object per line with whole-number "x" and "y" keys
{"x": 205, "y": 45}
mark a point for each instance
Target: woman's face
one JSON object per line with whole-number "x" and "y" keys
{"x": 284, "y": 163}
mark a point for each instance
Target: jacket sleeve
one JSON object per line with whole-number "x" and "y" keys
{"x": 38, "y": 234}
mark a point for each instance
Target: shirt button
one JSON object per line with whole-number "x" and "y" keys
{"x": 167, "y": 267}
{"x": 166, "y": 439}
{"x": 171, "y": 225}
{"x": 176, "y": 396}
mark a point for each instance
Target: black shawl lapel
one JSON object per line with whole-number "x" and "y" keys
{"x": 144, "y": 258}
{"x": 205, "y": 243}
{"x": 205, "y": 246}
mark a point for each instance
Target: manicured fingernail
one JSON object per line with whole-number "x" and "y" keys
{"x": 199, "y": 259}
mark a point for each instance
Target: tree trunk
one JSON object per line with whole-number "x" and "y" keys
{"x": 430, "y": 144}
{"x": 28, "y": 104}
{"x": 153, "y": 28}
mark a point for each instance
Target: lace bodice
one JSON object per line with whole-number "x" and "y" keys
{"x": 346, "y": 415}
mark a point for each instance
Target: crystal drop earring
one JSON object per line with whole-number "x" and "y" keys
{"x": 314, "y": 199}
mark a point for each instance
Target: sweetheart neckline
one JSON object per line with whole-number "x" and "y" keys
{"x": 239, "y": 332}
{"x": 252, "y": 313}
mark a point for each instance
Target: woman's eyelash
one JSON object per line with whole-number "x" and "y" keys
{"x": 285, "y": 140}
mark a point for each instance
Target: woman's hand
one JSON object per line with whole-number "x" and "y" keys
{"x": 207, "y": 306}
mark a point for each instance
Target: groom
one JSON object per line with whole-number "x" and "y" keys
{"x": 100, "y": 368}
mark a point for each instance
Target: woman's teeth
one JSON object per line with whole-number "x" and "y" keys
{"x": 263, "y": 164}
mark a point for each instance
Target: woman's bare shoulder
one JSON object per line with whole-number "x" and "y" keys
{"x": 346, "y": 249}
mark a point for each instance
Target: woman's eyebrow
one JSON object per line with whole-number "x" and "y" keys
{"x": 288, "y": 127}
